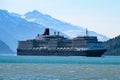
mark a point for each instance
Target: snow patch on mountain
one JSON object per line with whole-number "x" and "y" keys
{"x": 31, "y": 20}
{"x": 23, "y": 17}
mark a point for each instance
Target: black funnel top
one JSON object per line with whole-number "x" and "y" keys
{"x": 46, "y": 32}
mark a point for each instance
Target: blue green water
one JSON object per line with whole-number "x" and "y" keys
{"x": 113, "y": 60}
{"x": 59, "y": 68}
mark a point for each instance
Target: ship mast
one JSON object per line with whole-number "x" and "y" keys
{"x": 87, "y": 32}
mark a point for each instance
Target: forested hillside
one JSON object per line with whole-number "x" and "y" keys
{"x": 113, "y": 46}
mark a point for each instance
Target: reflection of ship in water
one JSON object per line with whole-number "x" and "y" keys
{"x": 57, "y": 45}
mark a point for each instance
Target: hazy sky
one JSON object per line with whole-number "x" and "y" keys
{"x": 102, "y": 16}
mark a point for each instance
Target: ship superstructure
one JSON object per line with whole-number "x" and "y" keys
{"x": 57, "y": 45}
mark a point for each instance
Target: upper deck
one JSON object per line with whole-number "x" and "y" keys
{"x": 57, "y": 41}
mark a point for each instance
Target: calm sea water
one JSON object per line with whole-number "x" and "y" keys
{"x": 59, "y": 68}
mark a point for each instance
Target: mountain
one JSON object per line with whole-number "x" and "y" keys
{"x": 10, "y": 40}
{"x": 4, "y": 48}
{"x": 15, "y": 14}
{"x": 66, "y": 28}
{"x": 14, "y": 28}
{"x": 113, "y": 46}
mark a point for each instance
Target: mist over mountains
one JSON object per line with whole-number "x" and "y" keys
{"x": 15, "y": 27}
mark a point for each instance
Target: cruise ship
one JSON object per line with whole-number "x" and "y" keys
{"x": 58, "y": 45}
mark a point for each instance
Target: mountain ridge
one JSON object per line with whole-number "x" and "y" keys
{"x": 67, "y": 28}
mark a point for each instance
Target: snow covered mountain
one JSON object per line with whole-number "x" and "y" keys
{"x": 66, "y": 28}
{"x": 13, "y": 28}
